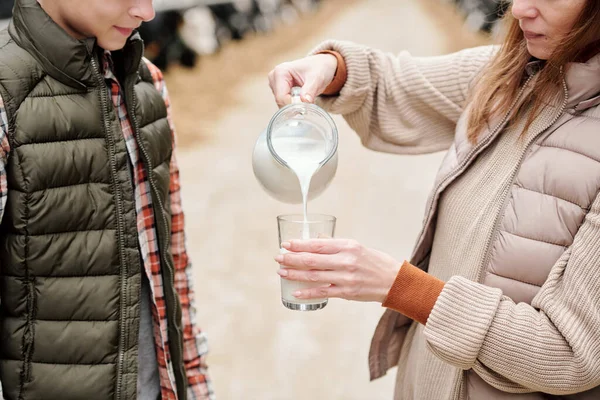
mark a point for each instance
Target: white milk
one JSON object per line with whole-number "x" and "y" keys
{"x": 303, "y": 155}
{"x": 289, "y": 287}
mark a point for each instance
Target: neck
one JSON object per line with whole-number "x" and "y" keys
{"x": 51, "y": 8}
{"x": 590, "y": 52}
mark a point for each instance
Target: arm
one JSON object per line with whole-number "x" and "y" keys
{"x": 552, "y": 345}
{"x": 404, "y": 104}
{"x": 194, "y": 341}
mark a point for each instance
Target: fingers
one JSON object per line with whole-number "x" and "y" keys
{"x": 319, "y": 246}
{"x": 312, "y": 276}
{"x": 320, "y": 292}
{"x": 310, "y": 90}
{"x": 311, "y": 261}
{"x": 281, "y": 82}
{"x": 307, "y": 73}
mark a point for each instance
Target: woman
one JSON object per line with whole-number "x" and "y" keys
{"x": 509, "y": 305}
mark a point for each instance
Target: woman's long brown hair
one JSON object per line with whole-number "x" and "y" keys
{"x": 501, "y": 82}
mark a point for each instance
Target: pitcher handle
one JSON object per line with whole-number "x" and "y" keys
{"x": 296, "y": 92}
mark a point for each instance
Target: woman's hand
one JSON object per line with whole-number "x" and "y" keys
{"x": 346, "y": 269}
{"x": 312, "y": 73}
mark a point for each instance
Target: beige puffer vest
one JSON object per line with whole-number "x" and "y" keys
{"x": 558, "y": 179}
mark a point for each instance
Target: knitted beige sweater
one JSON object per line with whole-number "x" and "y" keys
{"x": 409, "y": 105}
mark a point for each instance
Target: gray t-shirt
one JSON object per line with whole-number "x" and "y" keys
{"x": 148, "y": 382}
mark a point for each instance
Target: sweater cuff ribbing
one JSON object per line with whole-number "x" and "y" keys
{"x": 414, "y": 293}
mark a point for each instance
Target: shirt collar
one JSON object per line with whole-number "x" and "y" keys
{"x": 108, "y": 66}
{"x": 583, "y": 81}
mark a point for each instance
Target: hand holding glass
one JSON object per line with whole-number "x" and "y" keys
{"x": 294, "y": 227}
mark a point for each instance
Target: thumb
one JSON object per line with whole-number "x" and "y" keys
{"x": 310, "y": 90}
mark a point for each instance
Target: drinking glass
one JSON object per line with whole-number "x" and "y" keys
{"x": 292, "y": 227}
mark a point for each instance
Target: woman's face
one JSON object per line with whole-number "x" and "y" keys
{"x": 546, "y": 22}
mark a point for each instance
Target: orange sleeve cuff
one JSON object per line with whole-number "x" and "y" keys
{"x": 341, "y": 75}
{"x": 414, "y": 293}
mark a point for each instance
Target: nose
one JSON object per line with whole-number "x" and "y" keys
{"x": 142, "y": 10}
{"x": 524, "y": 9}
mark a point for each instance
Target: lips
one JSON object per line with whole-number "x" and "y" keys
{"x": 532, "y": 35}
{"x": 124, "y": 31}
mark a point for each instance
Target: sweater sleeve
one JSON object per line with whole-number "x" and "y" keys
{"x": 400, "y": 103}
{"x": 551, "y": 346}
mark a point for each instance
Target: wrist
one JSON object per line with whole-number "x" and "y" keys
{"x": 332, "y": 63}
{"x": 338, "y": 65}
{"x": 389, "y": 280}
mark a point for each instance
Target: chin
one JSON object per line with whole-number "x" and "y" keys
{"x": 112, "y": 44}
{"x": 538, "y": 52}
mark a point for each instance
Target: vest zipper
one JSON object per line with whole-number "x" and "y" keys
{"x": 513, "y": 176}
{"x": 120, "y": 224}
{"x": 29, "y": 333}
{"x": 458, "y": 170}
{"x": 167, "y": 285}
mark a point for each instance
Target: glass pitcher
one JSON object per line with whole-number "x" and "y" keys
{"x": 297, "y": 130}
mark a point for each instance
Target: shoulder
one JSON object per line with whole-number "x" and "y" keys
{"x": 151, "y": 73}
{"x": 19, "y": 73}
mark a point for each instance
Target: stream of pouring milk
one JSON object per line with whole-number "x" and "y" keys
{"x": 303, "y": 155}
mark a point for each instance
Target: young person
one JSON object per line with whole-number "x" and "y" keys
{"x": 96, "y": 295}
